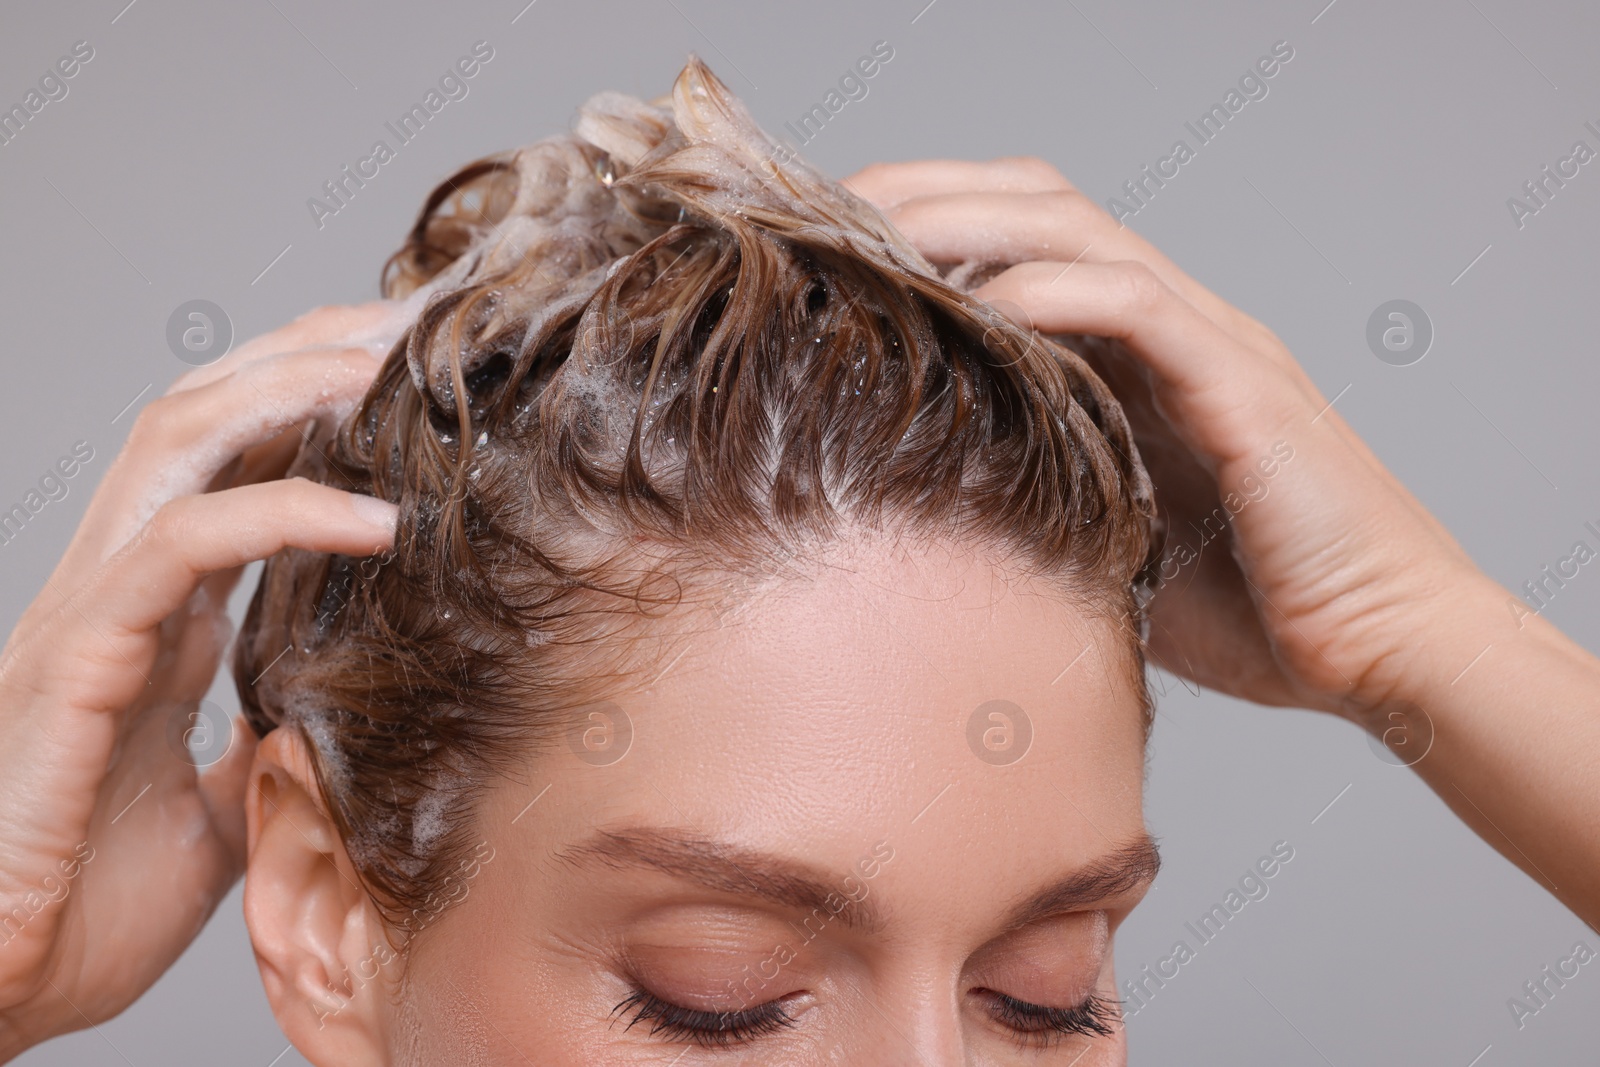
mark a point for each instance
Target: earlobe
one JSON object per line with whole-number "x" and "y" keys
{"x": 320, "y": 944}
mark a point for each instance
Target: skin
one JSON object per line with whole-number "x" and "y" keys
{"x": 125, "y": 637}
{"x": 1337, "y": 592}
{"x": 806, "y": 742}
{"x": 1329, "y": 581}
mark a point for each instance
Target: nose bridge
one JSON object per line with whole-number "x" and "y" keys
{"x": 916, "y": 1023}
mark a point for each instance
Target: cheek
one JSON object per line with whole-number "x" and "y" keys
{"x": 478, "y": 1013}
{"x": 438, "y": 1019}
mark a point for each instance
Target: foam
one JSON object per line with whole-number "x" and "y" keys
{"x": 430, "y": 816}
{"x": 318, "y": 725}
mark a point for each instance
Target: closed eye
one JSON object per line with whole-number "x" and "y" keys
{"x": 710, "y": 1029}
{"x": 1095, "y": 1016}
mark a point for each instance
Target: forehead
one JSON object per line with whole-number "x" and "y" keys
{"x": 917, "y": 695}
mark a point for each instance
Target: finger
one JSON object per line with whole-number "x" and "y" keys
{"x": 1227, "y": 402}
{"x": 112, "y": 620}
{"x": 888, "y": 184}
{"x": 1225, "y": 399}
{"x": 373, "y": 327}
{"x": 181, "y": 442}
{"x": 266, "y": 461}
{"x": 1065, "y": 226}
{"x": 193, "y": 640}
{"x": 1069, "y": 228}
{"x": 1015, "y": 227}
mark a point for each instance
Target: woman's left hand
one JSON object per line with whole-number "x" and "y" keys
{"x": 1298, "y": 570}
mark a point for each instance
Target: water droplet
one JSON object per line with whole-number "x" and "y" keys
{"x": 483, "y": 438}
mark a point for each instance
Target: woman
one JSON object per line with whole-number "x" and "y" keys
{"x": 756, "y": 675}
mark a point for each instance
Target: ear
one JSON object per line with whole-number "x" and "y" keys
{"x": 326, "y": 964}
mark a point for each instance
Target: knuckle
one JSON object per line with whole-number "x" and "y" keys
{"x": 313, "y": 325}
{"x": 319, "y": 313}
{"x": 1072, "y": 203}
{"x": 1035, "y": 168}
{"x": 171, "y": 523}
{"x": 303, "y": 493}
{"x": 190, "y": 378}
{"x": 1264, "y": 334}
{"x": 876, "y": 170}
{"x": 917, "y": 211}
{"x": 156, "y": 420}
{"x": 1142, "y": 289}
{"x": 1024, "y": 163}
{"x": 874, "y": 178}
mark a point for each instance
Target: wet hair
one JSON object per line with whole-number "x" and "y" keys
{"x": 657, "y": 355}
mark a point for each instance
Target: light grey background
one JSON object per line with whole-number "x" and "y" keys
{"x": 1378, "y": 167}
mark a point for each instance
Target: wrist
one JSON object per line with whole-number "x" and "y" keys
{"x": 1467, "y": 620}
{"x": 13, "y": 1042}
{"x": 1477, "y": 634}
{"x": 39, "y": 1018}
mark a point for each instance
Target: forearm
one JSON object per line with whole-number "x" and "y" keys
{"x": 1514, "y": 710}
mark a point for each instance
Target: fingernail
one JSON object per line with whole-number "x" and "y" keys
{"x": 379, "y": 513}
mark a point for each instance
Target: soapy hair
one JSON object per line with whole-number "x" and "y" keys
{"x": 658, "y": 354}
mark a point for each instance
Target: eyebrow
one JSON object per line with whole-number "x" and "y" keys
{"x": 726, "y": 868}
{"x": 1122, "y": 871}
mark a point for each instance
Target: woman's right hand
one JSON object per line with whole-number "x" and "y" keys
{"x": 114, "y": 850}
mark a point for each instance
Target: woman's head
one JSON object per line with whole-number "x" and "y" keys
{"x": 760, "y": 641}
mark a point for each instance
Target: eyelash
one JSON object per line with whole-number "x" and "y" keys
{"x": 1095, "y": 1017}
{"x": 1033, "y": 1023}
{"x": 710, "y": 1029}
